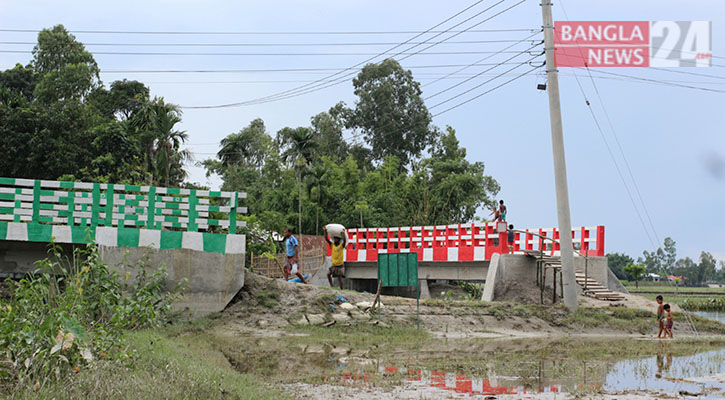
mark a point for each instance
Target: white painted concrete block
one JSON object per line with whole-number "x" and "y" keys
{"x": 149, "y": 237}
{"x": 193, "y": 241}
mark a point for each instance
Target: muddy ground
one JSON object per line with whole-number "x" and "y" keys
{"x": 309, "y": 343}
{"x": 269, "y": 305}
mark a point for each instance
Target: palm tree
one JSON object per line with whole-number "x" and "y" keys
{"x": 316, "y": 174}
{"x": 299, "y": 146}
{"x": 161, "y": 142}
{"x": 246, "y": 146}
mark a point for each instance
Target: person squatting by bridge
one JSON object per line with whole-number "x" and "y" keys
{"x": 293, "y": 258}
{"x": 338, "y": 261}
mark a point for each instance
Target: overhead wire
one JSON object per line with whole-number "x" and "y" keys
{"x": 486, "y": 92}
{"x": 269, "y": 32}
{"x": 268, "y": 44}
{"x": 265, "y": 70}
{"x": 621, "y": 151}
{"x": 480, "y": 73}
{"x": 481, "y": 60}
{"x": 121, "y": 53}
{"x": 342, "y": 71}
{"x": 315, "y": 87}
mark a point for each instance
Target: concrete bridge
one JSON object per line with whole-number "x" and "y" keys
{"x": 192, "y": 233}
{"x": 465, "y": 251}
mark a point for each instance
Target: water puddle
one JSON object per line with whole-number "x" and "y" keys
{"x": 702, "y": 372}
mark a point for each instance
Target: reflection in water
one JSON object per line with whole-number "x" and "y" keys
{"x": 662, "y": 372}
{"x": 668, "y": 374}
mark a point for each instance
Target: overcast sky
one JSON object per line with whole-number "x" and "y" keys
{"x": 671, "y": 137}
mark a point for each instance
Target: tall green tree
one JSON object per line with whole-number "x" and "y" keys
{"x": 156, "y": 123}
{"x": 390, "y": 112}
{"x": 247, "y": 147}
{"x": 298, "y": 148}
{"x": 328, "y": 130}
{"x": 67, "y": 69}
{"x": 455, "y": 188}
{"x": 670, "y": 254}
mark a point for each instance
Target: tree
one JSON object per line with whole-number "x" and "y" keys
{"x": 686, "y": 268}
{"x": 636, "y": 271}
{"x": 670, "y": 254}
{"x": 653, "y": 260}
{"x": 156, "y": 125}
{"x": 299, "y": 146}
{"x": 327, "y": 128}
{"x": 617, "y": 262}
{"x": 247, "y": 147}
{"x": 455, "y": 188}
{"x": 705, "y": 268}
{"x": 66, "y": 68}
{"x": 390, "y": 112}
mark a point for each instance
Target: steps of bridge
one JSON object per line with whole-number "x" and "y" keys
{"x": 591, "y": 287}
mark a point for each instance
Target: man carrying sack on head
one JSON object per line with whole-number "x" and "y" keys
{"x": 338, "y": 260}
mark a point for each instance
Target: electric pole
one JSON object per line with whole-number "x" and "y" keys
{"x": 557, "y": 144}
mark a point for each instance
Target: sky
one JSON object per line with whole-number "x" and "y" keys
{"x": 668, "y": 138}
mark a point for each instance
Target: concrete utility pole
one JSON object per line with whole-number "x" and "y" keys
{"x": 557, "y": 144}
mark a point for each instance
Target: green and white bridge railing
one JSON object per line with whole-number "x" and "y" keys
{"x": 121, "y": 215}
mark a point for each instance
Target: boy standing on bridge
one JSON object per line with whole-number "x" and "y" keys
{"x": 292, "y": 246}
{"x": 338, "y": 262}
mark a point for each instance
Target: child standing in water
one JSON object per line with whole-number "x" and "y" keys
{"x": 668, "y": 326}
{"x": 660, "y": 316}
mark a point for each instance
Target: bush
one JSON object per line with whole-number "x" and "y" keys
{"x": 70, "y": 311}
{"x": 700, "y": 304}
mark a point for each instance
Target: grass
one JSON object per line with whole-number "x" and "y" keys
{"x": 267, "y": 298}
{"x": 168, "y": 367}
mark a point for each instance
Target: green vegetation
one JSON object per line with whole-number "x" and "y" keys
{"x": 267, "y": 298}
{"x": 164, "y": 367}
{"x": 60, "y": 122}
{"x": 636, "y": 271}
{"x": 73, "y": 311}
{"x": 664, "y": 263}
{"x": 704, "y": 304}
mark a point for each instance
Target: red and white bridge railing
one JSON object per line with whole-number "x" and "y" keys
{"x": 463, "y": 242}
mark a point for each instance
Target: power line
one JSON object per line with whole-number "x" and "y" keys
{"x": 268, "y": 44}
{"x": 305, "y": 89}
{"x": 294, "y": 90}
{"x": 122, "y": 53}
{"x": 621, "y": 151}
{"x": 274, "y": 32}
{"x": 475, "y": 76}
{"x": 611, "y": 154}
{"x": 481, "y": 84}
{"x": 349, "y": 75}
{"x": 265, "y": 70}
{"x": 659, "y": 82}
{"x": 486, "y": 92}
{"x": 480, "y": 60}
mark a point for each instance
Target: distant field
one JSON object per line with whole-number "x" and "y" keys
{"x": 677, "y": 295}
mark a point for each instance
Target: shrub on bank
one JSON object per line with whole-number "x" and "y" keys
{"x": 71, "y": 311}
{"x": 704, "y": 304}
